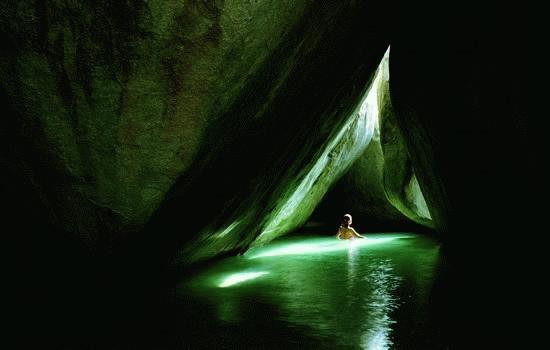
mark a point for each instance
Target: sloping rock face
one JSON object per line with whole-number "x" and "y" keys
{"x": 380, "y": 189}
{"x": 189, "y": 110}
{"x": 123, "y": 99}
{"x": 360, "y": 192}
{"x": 291, "y": 157}
{"x": 400, "y": 184}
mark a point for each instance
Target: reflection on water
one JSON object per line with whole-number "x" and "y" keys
{"x": 380, "y": 302}
{"x": 240, "y": 277}
{"x": 315, "y": 292}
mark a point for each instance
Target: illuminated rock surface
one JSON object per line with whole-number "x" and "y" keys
{"x": 129, "y": 103}
{"x": 399, "y": 181}
{"x": 221, "y": 118}
{"x": 380, "y": 188}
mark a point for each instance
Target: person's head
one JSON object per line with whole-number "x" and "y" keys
{"x": 346, "y": 221}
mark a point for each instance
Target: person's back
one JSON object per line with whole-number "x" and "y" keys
{"x": 345, "y": 231}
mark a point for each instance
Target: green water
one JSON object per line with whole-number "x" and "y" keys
{"x": 315, "y": 292}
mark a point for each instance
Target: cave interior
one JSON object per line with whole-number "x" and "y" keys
{"x": 144, "y": 141}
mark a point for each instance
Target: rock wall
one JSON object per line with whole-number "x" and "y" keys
{"x": 122, "y": 98}
{"x": 177, "y": 116}
{"x": 380, "y": 189}
{"x": 400, "y": 184}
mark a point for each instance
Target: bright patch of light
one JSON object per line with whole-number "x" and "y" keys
{"x": 378, "y": 341}
{"x": 317, "y": 247}
{"x": 415, "y": 196}
{"x": 228, "y": 229}
{"x": 236, "y": 278}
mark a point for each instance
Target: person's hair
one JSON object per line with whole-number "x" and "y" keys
{"x": 347, "y": 216}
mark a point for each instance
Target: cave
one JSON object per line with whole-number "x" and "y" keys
{"x": 174, "y": 173}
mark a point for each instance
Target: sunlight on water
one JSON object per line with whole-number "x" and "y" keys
{"x": 316, "y": 292}
{"x": 237, "y": 278}
{"x": 319, "y": 246}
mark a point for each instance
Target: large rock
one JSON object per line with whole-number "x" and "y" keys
{"x": 400, "y": 184}
{"x": 192, "y": 110}
{"x": 380, "y": 188}
{"x": 122, "y": 96}
{"x": 291, "y": 163}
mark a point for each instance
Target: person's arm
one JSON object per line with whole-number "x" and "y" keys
{"x": 355, "y": 233}
{"x": 339, "y": 233}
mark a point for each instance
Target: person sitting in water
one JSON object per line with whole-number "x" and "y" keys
{"x": 345, "y": 231}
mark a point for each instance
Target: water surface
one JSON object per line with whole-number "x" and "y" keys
{"x": 315, "y": 292}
